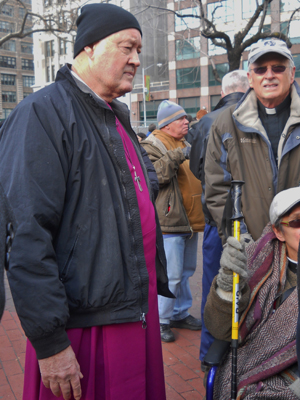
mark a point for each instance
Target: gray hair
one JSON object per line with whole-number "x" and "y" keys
{"x": 235, "y": 81}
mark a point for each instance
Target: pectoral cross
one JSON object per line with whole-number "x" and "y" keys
{"x": 137, "y": 179}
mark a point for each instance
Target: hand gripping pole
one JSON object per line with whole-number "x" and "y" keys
{"x": 236, "y": 189}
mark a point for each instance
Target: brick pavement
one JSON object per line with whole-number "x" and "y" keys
{"x": 183, "y": 375}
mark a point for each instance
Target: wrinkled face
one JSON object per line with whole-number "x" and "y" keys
{"x": 113, "y": 62}
{"x": 290, "y": 236}
{"x": 271, "y": 88}
{"x": 178, "y": 129}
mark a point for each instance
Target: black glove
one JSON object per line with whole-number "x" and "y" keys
{"x": 186, "y": 152}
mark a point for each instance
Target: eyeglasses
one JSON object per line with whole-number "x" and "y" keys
{"x": 292, "y": 224}
{"x": 277, "y": 69}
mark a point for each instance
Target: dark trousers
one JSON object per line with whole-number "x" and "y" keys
{"x": 211, "y": 250}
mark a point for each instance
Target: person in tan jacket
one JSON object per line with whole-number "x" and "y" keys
{"x": 180, "y": 214}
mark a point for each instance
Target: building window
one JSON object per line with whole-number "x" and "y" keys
{"x": 294, "y": 33}
{"x": 27, "y": 1}
{"x": 48, "y": 74}
{"x": 9, "y": 97}
{"x": 287, "y": 5}
{"x": 191, "y": 105}
{"x": 62, "y": 47}
{"x": 222, "y": 70}
{"x": 217, "y": 50}
{"x": 26, "y": 47}
{"x": 50, "y": 48}
{"x": 26, "y": 95}
{"x": 6, "y": 112}
{"x": 27, "y": 64}
{"x": 28, "y": 81}
{"x": 151, "y": 110}
{"x": 297, "y": 65}
{"x": 186, "y": 49}
{"x": 249, "y": 7}
{"x": 7, "y": 79}
{"x": 10, "y": 45}
{"x": 214, "y": 100}
{"x": 53, "y": 73}
{"x": 188, "y": 78}
{"x": 7, "y": 62}
{"x": 221, "y": 11}
{"x": 7, "y": 10}
{"x": 6, "y": 27}
{"x": 48, "y": 3}
{"x": 182, "y": 24}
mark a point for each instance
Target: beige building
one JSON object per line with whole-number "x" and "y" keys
{"x": 16, "y": 59}
{"x": 191, "y": 81}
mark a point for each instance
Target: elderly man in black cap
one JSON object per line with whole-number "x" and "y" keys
{"x": 87, "y": 260}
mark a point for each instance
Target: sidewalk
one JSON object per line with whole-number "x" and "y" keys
{"x": 183, "y": 375}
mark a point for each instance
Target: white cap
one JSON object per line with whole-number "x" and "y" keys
{"x": 268, "y": 46}
{"x": 283, "y": 202}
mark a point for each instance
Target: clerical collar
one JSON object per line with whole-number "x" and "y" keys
{"x": 276, "y": 110}
{"x": 292, "y": 265}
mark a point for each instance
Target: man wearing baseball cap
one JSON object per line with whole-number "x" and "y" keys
{"x": 180, "y": 214}
{"x": 257, "y": 140}
{"x": 87, "y": 259}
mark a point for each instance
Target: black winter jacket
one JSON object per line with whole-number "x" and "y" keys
{"x": 77, "y": 259}
{"x": 199, "y": 144}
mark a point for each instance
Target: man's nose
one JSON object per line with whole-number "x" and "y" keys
{"x": 134, "y": 59}
{"x": 269, "y": 73}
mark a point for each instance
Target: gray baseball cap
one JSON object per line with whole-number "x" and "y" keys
{"x": 283, "y": 202}
{"x": 268, "y": 46}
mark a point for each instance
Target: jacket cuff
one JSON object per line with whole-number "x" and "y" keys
{"x": 47, "y": 346}
{"x": 295, "y": 388}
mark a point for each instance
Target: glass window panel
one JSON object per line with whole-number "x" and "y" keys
{"x": 294, "y": 33}
{"x": 221, "y": 11}
{"x": 7, "y": 79}
{"x": 151, "y": 107}
{"x": 28, "y": 81}
{"x": 214, "y": 100}
{"x": 7, "y": 62}
{"x": 216, "y": 50}
{"x": 191, "y": 105}
{"x": 27, "y": 64}
{"x": 188, "y": 78}
{"x": 6, "y": 112}
{"x": 7, "y": 10}
{"x": 182, "y": 24}
{"x": 10, "y": 45}
{"x": 249, "y": 7}
{"x": 297, "y": 64}
{"x": 26, "y": 47}
{"x": 9, "y": 97}
{"x": 186, "y": 49}
{"x": 6, "y": 27}
{"x": 287, "y": 5}
{"x": 222, "y": 70}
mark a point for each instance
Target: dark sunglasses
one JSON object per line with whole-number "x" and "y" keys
{"x": 292, "y": 224}
{"x": 277, "y": 69}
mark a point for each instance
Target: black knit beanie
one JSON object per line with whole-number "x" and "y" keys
{"x": 99, "y": 20}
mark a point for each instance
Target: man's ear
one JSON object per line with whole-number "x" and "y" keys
{"x": 89, "y": 50}
{"x": 279, "y": 234}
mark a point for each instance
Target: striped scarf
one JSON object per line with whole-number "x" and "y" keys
{"x": 268, "y": 345}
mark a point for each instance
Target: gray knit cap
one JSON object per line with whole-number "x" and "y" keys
{"x": 168, "y": 112}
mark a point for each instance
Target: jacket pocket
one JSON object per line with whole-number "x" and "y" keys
{"x": 65, "y": 269}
